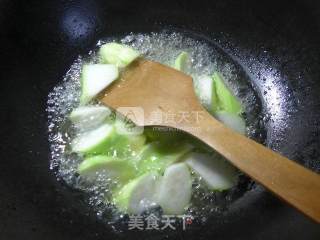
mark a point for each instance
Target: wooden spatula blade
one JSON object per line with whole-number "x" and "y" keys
{"x": 145, "y": 84}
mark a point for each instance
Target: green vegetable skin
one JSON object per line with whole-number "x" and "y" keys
{"x": 115, "y": 168}
{"x": 156, "y": 156}
{"x": 224, "y": 100}
{"x": 127, "y": 140}
{"x": 182, "y": 62}
{"x": 117, "y": 54}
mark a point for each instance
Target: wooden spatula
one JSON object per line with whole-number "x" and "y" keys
{"x": 156, "y": 88}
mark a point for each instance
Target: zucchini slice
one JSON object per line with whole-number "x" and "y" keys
{"x": 204, "y": 89}
{"x": 95, "y": 78}
{"x": 95, "y": 141}
{"x": 226, "y": 101}
{"x": 231, "y": 120}
{"x": 174, "y": 193}
{"x": 216, "y": 172}
{"x": 117, "y": 54}
{"x": 138, "y": 195}
{"x": 156, "y": 156}
{"x": 89, "y": 117}
{"x": 119, "y": 169}
{"x": 182, "y": 62}
{"x": 106, "y": 139}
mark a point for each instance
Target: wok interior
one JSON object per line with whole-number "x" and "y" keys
{"x": 281, "y": 61}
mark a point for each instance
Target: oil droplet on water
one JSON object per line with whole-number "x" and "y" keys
{"x": 163, "y": 47}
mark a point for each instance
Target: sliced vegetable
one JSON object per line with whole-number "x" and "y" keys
{"x": 204, "y": 89}
{"x": 175, "y": 189}
{"x": 95, "y": 141}
{"x": 121, "y": 145}
{"x": 156, "y": 156}
{"x": 95, "y": 78}
{"x": 107, "y": 139}
{"x": 138, "y": 195}
{"x": 118, "y": 54}
{"x": 88, "y": 117}
{"x": 216, "y": 172}
{"x": 114, "y": 168}
{"x": 231, "y": 120}
{"x": 226, "y": 101}
{"x": 182, "y": 62}
{"x": 128, "y": 138}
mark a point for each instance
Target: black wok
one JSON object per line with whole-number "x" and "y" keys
{"x": 276, "y": 42}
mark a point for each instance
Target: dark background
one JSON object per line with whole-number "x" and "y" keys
{"x": 40, "y": 39}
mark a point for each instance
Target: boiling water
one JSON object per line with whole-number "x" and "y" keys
{"x": 163, "y": 47}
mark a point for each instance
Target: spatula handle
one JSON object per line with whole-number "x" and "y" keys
{"x": 293, "y": 183}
